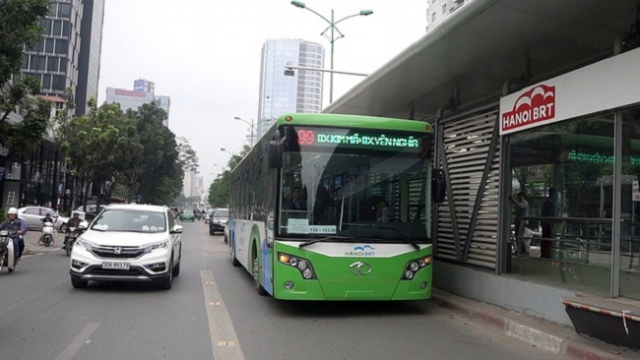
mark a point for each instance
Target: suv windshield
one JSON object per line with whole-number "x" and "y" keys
{"x": 349, "y": 192}
{"x": 221, "y": 213}
{"x": 130, "y": 220}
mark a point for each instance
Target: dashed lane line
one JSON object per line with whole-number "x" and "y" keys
{"x": 223, "y": 335}
{"x": 78, "y": 341}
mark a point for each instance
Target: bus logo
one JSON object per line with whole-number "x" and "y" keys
{"x": 360, "y": 268}
{"x": 361, "y": 250}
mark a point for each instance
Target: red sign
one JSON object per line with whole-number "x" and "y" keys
{"x": 130, "y": 93}
{"x": 536, "y": 105}
{"x": 306, "y": 137}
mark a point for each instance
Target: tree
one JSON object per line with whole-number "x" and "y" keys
{"x": 19, "y": 19}
{"x": 98, "y": 144}
{"x": 157, "y": 175}
{"x": 220, "y": 189}
{"x": 187, "y": 155}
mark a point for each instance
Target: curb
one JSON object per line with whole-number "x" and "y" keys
{"x": 521, "y": 331}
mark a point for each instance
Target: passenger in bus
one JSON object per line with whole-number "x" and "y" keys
{"x": 297, "y": 200}
{"x": 382, "y": 211}
{"x": 323, "y": 206}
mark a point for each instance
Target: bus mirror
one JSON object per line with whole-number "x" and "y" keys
{"x": 275, "y": 152}
{"x": 438, "y": 186}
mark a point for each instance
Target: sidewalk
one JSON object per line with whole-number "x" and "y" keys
{"x": 31, "y": 246}
{"x": 539, "y": 333}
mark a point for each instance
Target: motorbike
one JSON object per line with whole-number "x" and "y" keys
{"x": 72, "y": 235}
{"x": 7, "y": 257}
{"x": 47, "y": 233}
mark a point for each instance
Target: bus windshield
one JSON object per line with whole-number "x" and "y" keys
{"x": 376, "y": 194}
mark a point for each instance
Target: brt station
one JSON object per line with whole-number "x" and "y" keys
{"x": 543, "y": 99}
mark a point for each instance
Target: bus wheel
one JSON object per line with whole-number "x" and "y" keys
{"x": 256, "y": 278}
{"x": 234, "y": 261}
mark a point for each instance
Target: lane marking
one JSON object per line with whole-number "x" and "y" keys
{"x": 78, "y": 341}
{"x": 32, "y": 297}
{"x": 223, "y": 335}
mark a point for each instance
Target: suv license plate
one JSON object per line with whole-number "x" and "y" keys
{"x": 115, "y": 265}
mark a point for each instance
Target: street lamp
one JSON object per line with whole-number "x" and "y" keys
{"x": 252, "y": 127}
{"x": 332, "y": 26}
{"x": 227, "y": 151}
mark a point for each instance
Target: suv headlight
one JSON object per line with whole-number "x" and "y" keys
{"x": 157, "y": 246}
{"x": 84, "y": 244}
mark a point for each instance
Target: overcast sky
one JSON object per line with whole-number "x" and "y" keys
{"x": 205, "y": 55}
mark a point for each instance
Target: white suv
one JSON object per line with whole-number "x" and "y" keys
{"x": 128, "y": 243}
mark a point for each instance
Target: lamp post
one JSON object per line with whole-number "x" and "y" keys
{"x": 332, "y": 26}
{"x": 227, "y": 151}
{"x": 251, "y": 127}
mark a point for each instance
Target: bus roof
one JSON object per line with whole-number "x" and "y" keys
{"x": 354, "y": 121}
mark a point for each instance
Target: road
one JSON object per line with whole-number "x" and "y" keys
{"x": 212, "y": 311}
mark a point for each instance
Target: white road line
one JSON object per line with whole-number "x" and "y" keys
{"x": 78, "y": 341}
{"x": 223, "y": 335}
{"x": 32, "y": 296}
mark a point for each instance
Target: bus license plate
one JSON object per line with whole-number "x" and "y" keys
{"x": 115, "y": 265}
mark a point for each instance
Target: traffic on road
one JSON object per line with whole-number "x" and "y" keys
{"x": 211, "y": 311}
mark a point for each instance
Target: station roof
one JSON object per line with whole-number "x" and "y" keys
{"x": 484, "y": 43}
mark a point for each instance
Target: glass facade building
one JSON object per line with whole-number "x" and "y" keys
{"x": 280, "y": 94}
{"x": 90, "y": 50}
{"x": 54, "y": 60}
{"x": 69, "y": 54}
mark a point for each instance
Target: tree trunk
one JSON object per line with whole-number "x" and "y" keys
{"x": 86, "y": 194}
{"x": 77, "y": 181}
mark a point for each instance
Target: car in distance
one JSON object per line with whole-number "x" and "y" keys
{"x": 219, "y": 219}
{"x": 90, "y": 213}
{"x": 187, "y": 215}
{"x": 207, "y": 217}
{"x": 33, "y": 215}
{"x": 132, "y": 243}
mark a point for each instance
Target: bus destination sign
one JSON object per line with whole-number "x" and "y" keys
{"x": 333, "y": 137}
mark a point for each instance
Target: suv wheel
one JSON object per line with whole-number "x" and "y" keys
{"x": 79, "y": 284}
{"x": 176, "y": 269}
{"x": 168, "y": 281}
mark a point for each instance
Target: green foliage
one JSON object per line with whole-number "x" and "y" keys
{"x": 219, "y": 190}
{"x": 19, "y": 19}
{"x": 187, "y": 155}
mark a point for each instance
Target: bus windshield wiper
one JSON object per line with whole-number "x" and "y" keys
{"x": 333, "y": 237}
{"x": 376, "y": 226}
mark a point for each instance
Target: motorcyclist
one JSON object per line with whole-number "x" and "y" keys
{"x": 47, "y": 218}
{"x": 18, "y": 229}
{"x": 74, "y": 222}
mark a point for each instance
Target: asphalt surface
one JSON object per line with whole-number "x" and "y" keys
{"x": 212, "y": 311}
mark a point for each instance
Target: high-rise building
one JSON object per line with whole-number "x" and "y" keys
{"x": 186, "y": 184}
{"x": 90, "y": 50}
{"x": 438, "y": 10}
{"x": 69, "y": 54}
{"x": 133, "y": 99}
{"x": 144, "y": 85}
{"x": 280, "y": 94}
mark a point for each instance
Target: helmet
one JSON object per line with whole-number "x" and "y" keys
{"x": 13, "y": 211}
{"x": 75, "y": 214}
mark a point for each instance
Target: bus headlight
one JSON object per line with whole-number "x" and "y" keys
{"x": 303, "y": 265}
{"x": 414, "y": 266}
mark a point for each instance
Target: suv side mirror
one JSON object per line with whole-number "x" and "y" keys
{"x": 177, "y": 229}
{"x": 438, "y": 186}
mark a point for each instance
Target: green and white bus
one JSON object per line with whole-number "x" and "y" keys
{"x": 336, "y": 207}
